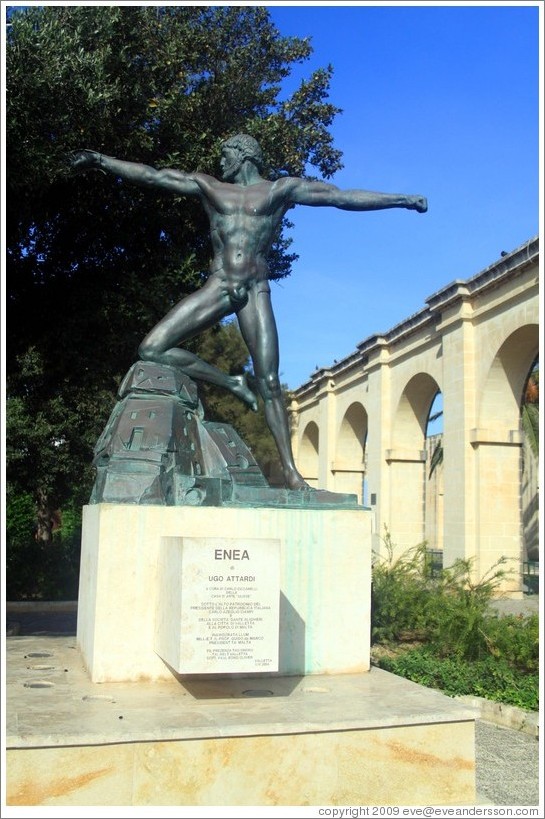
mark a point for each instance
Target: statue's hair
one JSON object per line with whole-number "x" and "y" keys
{"x": 247, "y": 147}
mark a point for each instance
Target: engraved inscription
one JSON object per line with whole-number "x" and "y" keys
{"x": 230, "y": 615}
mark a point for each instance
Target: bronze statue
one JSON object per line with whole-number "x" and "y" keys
{"x": 245, "y": 211}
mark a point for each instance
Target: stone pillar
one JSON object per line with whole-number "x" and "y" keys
{"x": 459, "y": 400}
{"x": 498, "y": 522}
{"x": 379, "y": 441}
{"x": 406, "y": 503}
{"x": 327, "y": 404}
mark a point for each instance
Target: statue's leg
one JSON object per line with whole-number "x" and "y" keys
{"x": 191, "y": 316}
{"x": 258, "y": 328}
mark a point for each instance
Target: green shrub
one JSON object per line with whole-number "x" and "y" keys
{"x": 462, "y": 646}
{"x": 400, "y": 594}
{"x": 446, "y": 609}
{"x": 491, "y": 678}
{"x": 43, "y": 571}
{"x": 514, "y": 639}
{"x": 20, "y": 518}
{"x": 458, "y": 610}
{"x": 37, "y": 570}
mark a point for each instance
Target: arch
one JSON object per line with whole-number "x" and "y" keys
{"x": 435, "y": 490}
{"x": 352, "y": 435}
{"x": 499, "y": 445}
{"x": 411, "y": 416}
{"x": 503, "y": 387}
{"x": 349, "y": 463}
{"x": 309, "y": 452}
{"x": 407, "y": 461}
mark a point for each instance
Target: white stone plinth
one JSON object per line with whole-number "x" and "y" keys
{"x": 325, "y": 583}
{"x": 217, "y": 608}
{"x": 337, "y": 739}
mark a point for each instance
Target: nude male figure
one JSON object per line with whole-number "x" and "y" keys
{"x": 245, "y": 211}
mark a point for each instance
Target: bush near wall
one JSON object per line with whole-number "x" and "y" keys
{"x": 36, "y": 569}
{"x": 438, "y": 629}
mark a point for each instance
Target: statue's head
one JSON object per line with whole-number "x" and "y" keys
{"x": 246, "y": 147}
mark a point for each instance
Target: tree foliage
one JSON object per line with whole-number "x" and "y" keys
{"x": 530, "y": 410}
{"x": 92, "y": 264}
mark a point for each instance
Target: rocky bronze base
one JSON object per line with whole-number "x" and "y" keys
{"x": 158, "y": 449}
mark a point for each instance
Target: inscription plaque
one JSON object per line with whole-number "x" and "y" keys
{"x": 218, "y": 604}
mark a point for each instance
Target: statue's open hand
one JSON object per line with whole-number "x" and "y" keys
{"x": 79, "y": 161}
{"x": 418, "y": 203}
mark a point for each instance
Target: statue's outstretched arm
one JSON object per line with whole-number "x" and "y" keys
{"x": 168, "y": 178}
{"x": 322, "y": 194}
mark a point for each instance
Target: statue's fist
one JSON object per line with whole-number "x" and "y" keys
{"x": 418, "y": 203}
{"x": 79, "y": 161}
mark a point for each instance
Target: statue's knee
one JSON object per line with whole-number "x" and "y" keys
{"x": 269, "y": 386}
{"x": 147, "y": 351}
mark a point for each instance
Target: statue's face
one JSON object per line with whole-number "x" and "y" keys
{"x": 230, "y": 163}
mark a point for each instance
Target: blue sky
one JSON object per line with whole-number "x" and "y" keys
{"x": 440, "y": 100}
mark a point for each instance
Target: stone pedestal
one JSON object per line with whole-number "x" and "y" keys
{"x": 325, "y": 582}
{"x": 323, "y": 730}
{"x": 340, "y": 739}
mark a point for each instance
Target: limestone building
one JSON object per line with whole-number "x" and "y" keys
{"x": 361, "y": 425}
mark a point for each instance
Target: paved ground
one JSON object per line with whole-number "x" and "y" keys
{"x": 529, "y": 604}
{"x": 507, "y": 760}
{"x": 507, "y": 764}
{"x": 24, "y": 623}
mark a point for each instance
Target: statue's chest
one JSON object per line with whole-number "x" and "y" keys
{"x": 248, "y": 203}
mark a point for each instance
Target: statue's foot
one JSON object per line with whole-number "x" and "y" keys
{"x": 243, "y": 391}
{"x": 294, "y": 480}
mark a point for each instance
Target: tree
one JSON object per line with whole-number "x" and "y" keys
{"x": 530, "y": 409}
{"x": 93, "y": 264}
